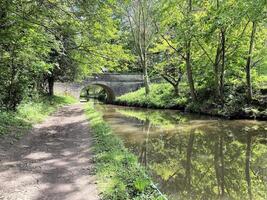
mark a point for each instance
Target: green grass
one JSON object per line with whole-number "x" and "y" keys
{"x": 160, "y": 96}
{"x": 29, "y": 113}
{"x": 119, "y": 175}
{"x": 262, "y": 82}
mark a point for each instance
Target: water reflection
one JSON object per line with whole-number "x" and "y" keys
{"x": 196, "y": 157}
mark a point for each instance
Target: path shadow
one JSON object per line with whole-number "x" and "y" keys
{"x": 52, "y": 162}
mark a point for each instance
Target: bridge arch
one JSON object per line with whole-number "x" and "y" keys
{"x": 109, "y": 91}
{"x": 114, "y": 84}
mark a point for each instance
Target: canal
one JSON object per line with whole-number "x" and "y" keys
{"x": 194, "y": 156}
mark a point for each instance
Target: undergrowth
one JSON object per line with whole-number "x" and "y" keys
{"x": 119, "y": 175}
{"x": 160, "y": 96}
{"x": 235, "y": 104}
{"x": 29, "y": 113}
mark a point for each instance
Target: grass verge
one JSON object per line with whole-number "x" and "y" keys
{"x": 29, "y": 113}
{"x": 162, "y": 96}
{"x": 119, "y": 175}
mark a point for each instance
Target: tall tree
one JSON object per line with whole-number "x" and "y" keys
{"x": 256, "y": 14}
{"x": 188, "y": 54}
{"x": 168, "y": 64}
{"x": 139, "y": 14}
{"x": 249, "y": 58}
{"x": 175, "y": 25}
{"x": 25, "y": 44}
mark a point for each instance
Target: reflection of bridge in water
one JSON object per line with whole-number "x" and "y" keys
{"x": 114, "y": 84}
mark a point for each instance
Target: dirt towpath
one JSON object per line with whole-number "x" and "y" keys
{"x": 52, "y": 162}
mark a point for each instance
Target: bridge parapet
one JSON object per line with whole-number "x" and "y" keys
{"x": 116, "y": 77}
{"x": 114, "y": 84}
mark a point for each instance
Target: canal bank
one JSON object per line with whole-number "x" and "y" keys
{"x": 191, "y": 156}
{"x": 234, "y": 106}
{"x": 119, "y": 175}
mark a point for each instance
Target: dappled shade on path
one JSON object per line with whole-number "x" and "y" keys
{"x": 52, "y": 162}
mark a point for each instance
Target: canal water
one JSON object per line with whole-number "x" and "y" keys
{"x": 194, "y": 156}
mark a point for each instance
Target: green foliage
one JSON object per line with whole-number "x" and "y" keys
{"x": 119, "y": 174}
{"x": 141, "y": 184}
{"x": 36, "y": 111}
{"x": 204, "y": 27}
{"x": 10, "y": 121}
{"x": 160, "y": 96}
{"x": 46, "y": 41}
{"x": 29, "y": 113}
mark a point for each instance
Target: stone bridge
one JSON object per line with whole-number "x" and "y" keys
{"x": 114, "y": 84}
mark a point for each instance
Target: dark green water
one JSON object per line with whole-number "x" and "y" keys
{"x": 193, "y": 156}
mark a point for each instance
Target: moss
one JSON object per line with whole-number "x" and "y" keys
{"x": 118, "y": 173}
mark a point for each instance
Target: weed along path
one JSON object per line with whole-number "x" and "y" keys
{"x": 52, "y": 162}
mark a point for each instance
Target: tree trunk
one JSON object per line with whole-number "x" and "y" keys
{"x": 188, "y": 59}
{"x": 146, "y": 79}
{"x": 176, "y": 89}
{"x": 87, "y": 95}
{"x": 222, "y": 65}
{"x": 189, "y": 72}
{"x": 140, "y": 36}
{"x": 218, "y": 67}
{"x": 12, "y": 91}
{"x": 173, "y": 82}
{"x": 144, "y": 50}
{"x": 249, "y": 58}
{"x": 51, "y": 81}
{"x": 216, "y": 71}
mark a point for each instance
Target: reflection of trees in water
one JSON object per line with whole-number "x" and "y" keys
{"x": 192, "y": 165}
{"x": 188, "y": 165}
{"x": 248, "y": 159}
{"x": 203, "y": 159}
{"x": 155, "y": 117}
{"x": 219, "y": 165}
{"x": 144, "y": 145}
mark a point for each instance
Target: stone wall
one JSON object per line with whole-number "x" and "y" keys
{"x": 115, "y": 84}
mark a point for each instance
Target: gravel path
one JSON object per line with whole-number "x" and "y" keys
{"x": 52, "y": 162}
